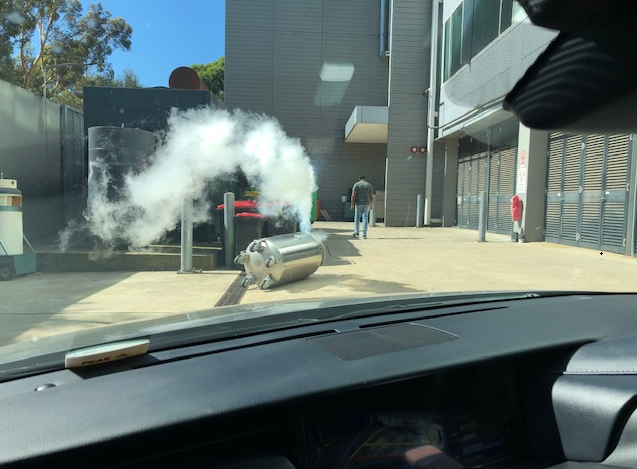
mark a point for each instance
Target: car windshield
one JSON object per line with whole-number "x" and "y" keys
{"x": 172, "y": 164}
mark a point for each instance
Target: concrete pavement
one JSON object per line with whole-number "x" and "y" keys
{"x": 409, "y": 260}
{"x": 53, "y": 303}
{"x": 391, "y": 260}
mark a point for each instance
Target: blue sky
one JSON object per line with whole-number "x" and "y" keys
{"x": 167, "y": 34}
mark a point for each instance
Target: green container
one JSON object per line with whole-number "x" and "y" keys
{"x": 314, "y": 215}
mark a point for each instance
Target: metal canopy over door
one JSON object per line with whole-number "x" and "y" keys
{"x": 587, "y": 191}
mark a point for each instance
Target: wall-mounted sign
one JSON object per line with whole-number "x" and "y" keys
{"x": 521, "y": 189}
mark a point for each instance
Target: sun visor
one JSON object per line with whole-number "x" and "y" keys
{"x": 586, "y": 80}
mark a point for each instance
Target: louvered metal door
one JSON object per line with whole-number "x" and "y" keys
{"x": 478, "y": 184}
{"x": 554, "y": 189}
{"x": 615, "y": 193}
{"x": 587, "y": 194}
{"x": 591, "y": 189}
{"x": 501, "y": 188}
{"x": 571, "y": 189}
{"x": 464, "y": 188}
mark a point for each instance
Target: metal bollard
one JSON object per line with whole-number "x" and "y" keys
{"x": 482, "y": 221}
{"x": 230, "y": 240}
{"x": 186, "y": 236}
{"x": 420, "y": 207}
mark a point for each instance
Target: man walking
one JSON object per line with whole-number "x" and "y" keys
{"x": 362, "y": 202}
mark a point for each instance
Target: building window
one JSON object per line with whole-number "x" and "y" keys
{"x": 452, "y": 43}
{"x": 472, "y": 27}
{"x": 486, "y": 22}
{"x": 511, "y": 12}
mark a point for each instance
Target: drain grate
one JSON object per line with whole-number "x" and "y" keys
{"x": 234, "y": 293}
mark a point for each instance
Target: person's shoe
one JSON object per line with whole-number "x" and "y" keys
{"x": 364, "y": 236}
{"x": 355, "y": 235}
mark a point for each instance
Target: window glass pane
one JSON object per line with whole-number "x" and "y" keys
{"x": 506, "y": 14}
{"x": 486, "y": 22}
{"x": 447, "y": 51}
{"x": 456, "y": 39}
{"x": 518, "y": 15}
{"x": 452, "y": 43}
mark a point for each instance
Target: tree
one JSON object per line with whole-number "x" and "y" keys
{"x": 9, "y": 29}
{"x": 45, "y": 33}
{"x": 212, "y": 75}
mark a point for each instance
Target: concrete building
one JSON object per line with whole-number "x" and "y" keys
{"x": 574, "y": 188}
{"x": 353, "y": 80}
{"x": 348, "y": 80}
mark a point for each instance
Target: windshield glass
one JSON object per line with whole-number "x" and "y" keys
{"x": 165, "y": 164}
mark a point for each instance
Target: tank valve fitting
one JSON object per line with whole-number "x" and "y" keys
{"x": 266, "y": 283}
{"x": 241, "y": 258}
{"x": 246, "y": 282}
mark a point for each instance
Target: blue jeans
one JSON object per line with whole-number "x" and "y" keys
{"x": 358, "y": 211}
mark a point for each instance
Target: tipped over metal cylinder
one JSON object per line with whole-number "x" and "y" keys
{"x": 281, "y": 259}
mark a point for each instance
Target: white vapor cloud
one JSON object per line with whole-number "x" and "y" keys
{"x": 200, "y": 145}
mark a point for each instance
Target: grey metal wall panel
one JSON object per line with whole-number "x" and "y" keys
{"x": 378, "y": 74}
{"x": 249, "y": 71}
{"x": 306, "y": 129}
{"x": 297, "y": 64}
{"x": 74, "y": 162}
{"x": 287, "y": 17}
{"x": 30, "y": 152}
{"x": 338, "y": 99}
{"x": 350, "y": 17}
{"x": 438, "y": 180}
{"x": 249, "y": 14}
{"x": 409, "y": 77}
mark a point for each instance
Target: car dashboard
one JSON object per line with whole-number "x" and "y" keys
{"x": 534, "y": 383}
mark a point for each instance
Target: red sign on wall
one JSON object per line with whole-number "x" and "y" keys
{"x": 521, "y": 188}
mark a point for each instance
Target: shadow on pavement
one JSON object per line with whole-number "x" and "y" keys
{"x": 380, "y": 237}
{"x": 331, "y": 261}
{"x": 34, "y": 300}
{"x": 332, "y": 231}
{"x": 349, "y": 283}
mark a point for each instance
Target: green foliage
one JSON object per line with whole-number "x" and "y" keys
{"x": 37, "y": 36}
{"x": 212, "y": 75}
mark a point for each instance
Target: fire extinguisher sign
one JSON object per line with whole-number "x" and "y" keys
{"x": 521, "y": 189}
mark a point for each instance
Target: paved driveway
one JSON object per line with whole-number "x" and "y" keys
{"x": 391, "y": 260}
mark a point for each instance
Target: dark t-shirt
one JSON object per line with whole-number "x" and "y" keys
{"x": 363, "y": 189}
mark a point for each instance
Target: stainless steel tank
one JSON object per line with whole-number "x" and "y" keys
{"x": 281, "y": 259}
